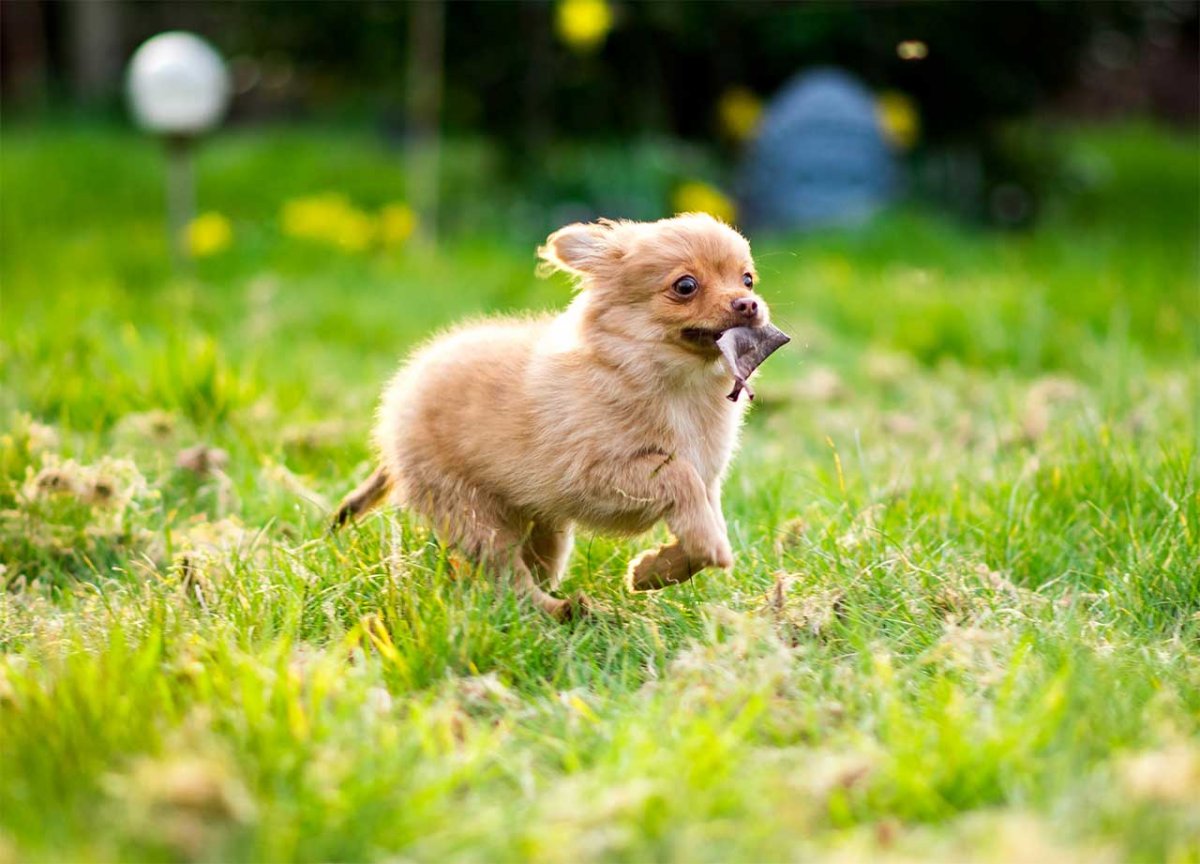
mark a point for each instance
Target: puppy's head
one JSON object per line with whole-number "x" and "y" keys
{"x": 681, "y": 282}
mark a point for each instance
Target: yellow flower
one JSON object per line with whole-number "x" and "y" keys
{"x": 355, "y": 231}
{"x": 329, "y": 219}
{"x": 313, "y": 218}
{"x": 583, "y": 24}
{"x": 739, "y": 111}
{"x": 898, "y": 119}
{"x": 208, "y": 234}
{"x": 697, "y": 197}
{"x": 397, "y": 222}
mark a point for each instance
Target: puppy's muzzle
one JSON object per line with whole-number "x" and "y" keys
{"x": 745, "y": 307}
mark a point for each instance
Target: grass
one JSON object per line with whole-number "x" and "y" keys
{"x": 964, "y": 620}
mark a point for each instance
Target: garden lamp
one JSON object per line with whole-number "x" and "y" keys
{"x": 178, "y": 88}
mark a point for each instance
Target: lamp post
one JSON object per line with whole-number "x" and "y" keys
{"x": 178, "y": 88}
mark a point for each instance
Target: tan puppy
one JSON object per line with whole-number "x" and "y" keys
{"x": 507, "y": 433}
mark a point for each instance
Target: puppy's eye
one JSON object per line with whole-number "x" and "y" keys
{"x": 686, "y": 286}
{"x": 747, "y": 280}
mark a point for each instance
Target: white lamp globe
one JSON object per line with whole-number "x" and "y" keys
{"x": 177, "y": 84}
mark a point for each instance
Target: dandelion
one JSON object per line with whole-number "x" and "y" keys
{"x": 355, "y": 232}
{"x": 329, "y": 219}
{"x": 104, "y": 491}
{"x": 208, "y": 234}
{"x": 697, "y": 197}
{"x": 397, "y": 222}
{"x": 791, "y": 535}
{"x": 202, "y": 550}
{"x": 307, "y": 218}
{"x": 42, "y": 437}
{"x": 51, "y": 480}
{"x": 155, "y": 427}
{"x": 100, "y": 491}
{"x": 31, "y": 436}
{"x": 583, "y": 24}
{"x": 739, "y": 111}
{"x": 898, "y": 119}
{"x": 202, "y": 460}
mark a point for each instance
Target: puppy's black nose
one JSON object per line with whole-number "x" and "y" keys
{"x": 747, "y": 307}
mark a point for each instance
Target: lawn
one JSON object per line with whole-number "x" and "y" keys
{"x": 963, "y": 624}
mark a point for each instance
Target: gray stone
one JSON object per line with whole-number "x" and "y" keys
{"x": 819, "y": 157}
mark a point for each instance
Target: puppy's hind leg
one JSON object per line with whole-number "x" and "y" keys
{"x": 527, "y": 586}
{"x": 495, "y": 537}
{"x": 546, "y": 550}
{"x": 545, "y": 553}
{"x": 363, "y": 498}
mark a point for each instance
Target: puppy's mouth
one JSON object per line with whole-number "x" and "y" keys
{"x": 703, "y": 337}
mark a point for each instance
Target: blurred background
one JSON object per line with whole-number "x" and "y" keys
{"x": 989, "y": 184}
{"x": 530, "y": 114}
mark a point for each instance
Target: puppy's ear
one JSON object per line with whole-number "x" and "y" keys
{"x": 584, "y": 249}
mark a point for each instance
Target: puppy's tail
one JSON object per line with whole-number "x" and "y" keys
{"x": 362, "y": 499}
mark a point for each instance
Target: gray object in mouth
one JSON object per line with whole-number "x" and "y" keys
{"x": 743, "y": 349}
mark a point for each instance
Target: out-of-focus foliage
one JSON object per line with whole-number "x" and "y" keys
{"x": 529, "y": 75}
{"x": 653, "y": 66}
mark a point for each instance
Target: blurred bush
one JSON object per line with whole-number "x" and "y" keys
{"x": 532, "y": 74}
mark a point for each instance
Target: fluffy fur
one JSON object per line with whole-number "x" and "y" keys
{"x": 507, "y": 434}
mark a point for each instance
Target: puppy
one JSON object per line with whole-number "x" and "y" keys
{"x": 509, "y": 433}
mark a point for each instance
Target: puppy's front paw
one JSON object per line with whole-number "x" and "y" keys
{"x": 721, "y": 554}
{"x": 711, "y": 549}
{"x": 642, "y": 571}
{"x": 706, "y": 541}
{"x": 658, "y": 568}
